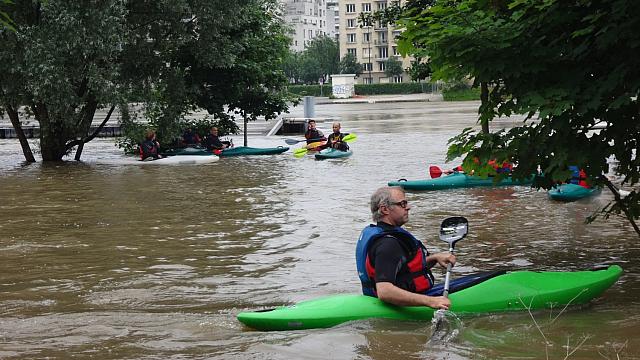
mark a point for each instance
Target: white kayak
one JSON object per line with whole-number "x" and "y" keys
{"x": 169, "y": 160}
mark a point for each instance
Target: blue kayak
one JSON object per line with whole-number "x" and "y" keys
{"x": 331, "y": 153}
{"x": 572, "y": 192}
{"x": 456, "y": 180}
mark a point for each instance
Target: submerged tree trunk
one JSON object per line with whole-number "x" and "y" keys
{"x": 53, "y": 144}
{"x": 484, "y": 100}
{"x": 83, "y": 126}
{"x": 15, "y": 121}
{"x": 245, "y": 131}
{"x": 92, "y": 136}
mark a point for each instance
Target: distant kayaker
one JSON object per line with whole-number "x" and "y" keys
{"x": 335, "y": 139}
{"x": 150, "y": 147}
{"x": 213, "y": 142}
{"x": 392, "y": 264}
{"x": 313, "y": 135}
{"x": 578, "y": 177}
{"x": 189, "y": 138}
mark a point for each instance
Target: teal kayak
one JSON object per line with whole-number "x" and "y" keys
{"x": 475, "y": 294}
{"x": 333, "y": 154}
{"x": 572, "y": 192}
{"x": 245, "y": 150}
{"x": 455, "y": 180}
{"x": 187, "y": 151}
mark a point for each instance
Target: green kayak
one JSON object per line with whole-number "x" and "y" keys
{"x": 572, "y": 192}
{"x": 477, "y": 294}
{"x": 453, "y": 181}
{"x": 333, "y": 154}
{"x": 245, "y": 150}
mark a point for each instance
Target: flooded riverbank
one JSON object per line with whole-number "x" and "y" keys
{"x": 118, "y": 261}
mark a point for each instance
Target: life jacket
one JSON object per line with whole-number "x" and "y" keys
{"x": 314, "y": 136}
{"x": 578, "y": 176}
{"x": 506, "y": 166}
{"x": 417, "y": 264}
{"x": 338, "y": 144}
{"x": 147, "y": 149}
{"x": 190, "y": 138}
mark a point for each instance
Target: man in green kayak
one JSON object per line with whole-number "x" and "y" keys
{"x": 334, "y": 140}
{"x": 392, "y": 264}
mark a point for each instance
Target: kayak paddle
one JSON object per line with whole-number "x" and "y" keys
{"x": 434, "y": 171}
{"x": 452, "y": 230}
{"x": 303, "y": 150}
{"x": 294, "y": 141}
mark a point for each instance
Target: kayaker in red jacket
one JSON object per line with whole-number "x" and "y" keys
{"x": 150, "y": 147}
{"x": 392, "y": 254}
{"x": 313, "y": 135}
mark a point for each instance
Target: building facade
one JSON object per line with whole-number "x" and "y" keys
{"x": 308, "y": 20}
{"x": 371, "y": 45}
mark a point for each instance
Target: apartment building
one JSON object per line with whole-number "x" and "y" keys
{"x": 371, "y": 45}
{"x": 308, "y": 19}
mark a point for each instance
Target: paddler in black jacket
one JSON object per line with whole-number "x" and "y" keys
{"x": 335, "y": 139}
{"x": 397, "y": 264}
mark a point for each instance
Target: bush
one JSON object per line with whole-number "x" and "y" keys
{"x": 465, "y": 94}
{"x": 310, "y": 90}
{"x": 393, "y": 88}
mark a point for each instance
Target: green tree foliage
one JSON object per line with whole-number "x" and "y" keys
{"x": 67, "y": 59}
{"x": 292, "y": 66}
{"x": 571, "y": 66}
{"x": 393, "y": 67}
{"x": 5, "y": 19}
{"x": 310, "y": 70}
{"x": 350, "y": 65}
{"x": 326, "y": 54}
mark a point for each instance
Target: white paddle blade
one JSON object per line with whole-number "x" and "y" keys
{"x": 454, "y": 229}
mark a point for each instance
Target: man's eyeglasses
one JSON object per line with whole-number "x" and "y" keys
{"x": 403, "y": 204}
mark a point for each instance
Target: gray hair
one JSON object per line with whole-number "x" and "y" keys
{"x": 380, "y": 197}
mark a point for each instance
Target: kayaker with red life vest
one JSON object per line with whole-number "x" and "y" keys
{"x": 392, "y": 264}
{"x": 189, "y": 138}
{"x": 313, "y": 135}
{"x": 578, "y": 177}
{"x": 335, "y": 139}
{"x": 150, "y": 147}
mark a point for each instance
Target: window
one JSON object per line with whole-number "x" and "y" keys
{"x": 367, "y": 80}
{"x": 383, "y": 53}
{"x": 310, "y": 34}
{"x": 351, "y": 51}
{"x": 351, "y": 8}
{"x": 366, "y": 7}
{"x": 394, "y": 50}
{"x": 382, "y": 66}
{"x": 366, "y": 52}
{"x": 367, "y": 66}
{"x": 366, "y": 38}
{"x": 351, "y": 38}
{"x": 382, "y": 37}
{"x": 382, "y": 5}
{"x": 351, "y": 23}
{"x": 397, "y": 79}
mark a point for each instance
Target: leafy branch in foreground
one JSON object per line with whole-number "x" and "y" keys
{"x": 569, "y": 67}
